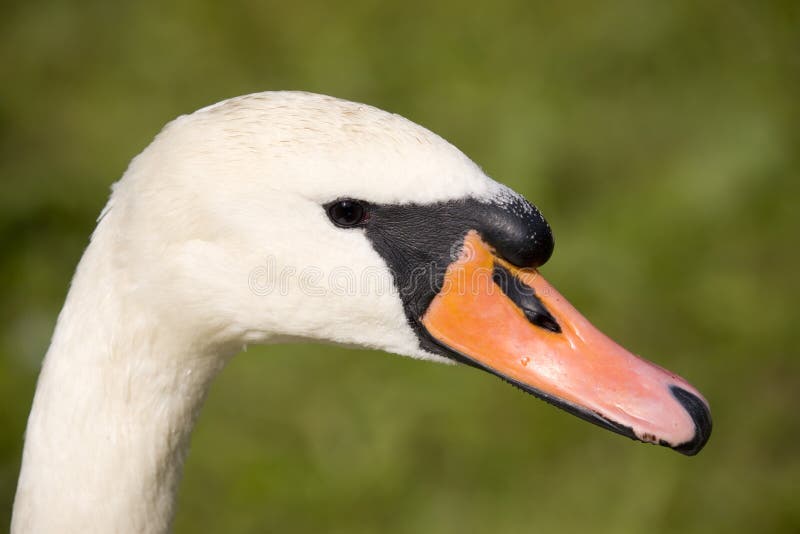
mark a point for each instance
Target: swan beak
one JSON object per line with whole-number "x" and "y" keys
{"x": 512, "y": 323}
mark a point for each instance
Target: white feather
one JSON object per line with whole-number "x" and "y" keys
{"x": 182, "y": 272}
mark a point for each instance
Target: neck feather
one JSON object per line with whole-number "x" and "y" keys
{"x": 115, "y": 404}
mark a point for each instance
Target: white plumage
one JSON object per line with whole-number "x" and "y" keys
{"x": 164, "y": 293}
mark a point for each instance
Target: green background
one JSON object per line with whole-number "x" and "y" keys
{"x": 659, "y": 138}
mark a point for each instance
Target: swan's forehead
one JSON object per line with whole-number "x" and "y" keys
{"x": 324, "y": 148}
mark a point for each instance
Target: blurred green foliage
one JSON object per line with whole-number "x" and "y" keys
{"x": 661, "y": 140}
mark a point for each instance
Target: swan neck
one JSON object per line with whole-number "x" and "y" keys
{"x": 115, "y": 404}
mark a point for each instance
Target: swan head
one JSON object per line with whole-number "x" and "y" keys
{"x": 282, "y": 216}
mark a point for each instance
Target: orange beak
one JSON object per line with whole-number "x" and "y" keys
{"x": 514, "y": 324}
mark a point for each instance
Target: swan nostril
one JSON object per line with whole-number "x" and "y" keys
{"x": 546, "y": 321}
{"x": 524, "y": 297}
{"x": 700, "y": 414}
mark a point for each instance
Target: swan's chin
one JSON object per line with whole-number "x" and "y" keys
{"x": 512, "y": 323}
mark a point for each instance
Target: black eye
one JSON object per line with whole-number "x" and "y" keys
{"x": 347, "y": 213}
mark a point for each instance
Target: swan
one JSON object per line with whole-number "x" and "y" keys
{"x": 283, "y": 216}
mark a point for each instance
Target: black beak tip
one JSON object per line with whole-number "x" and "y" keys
{"x": 701, "y": 416}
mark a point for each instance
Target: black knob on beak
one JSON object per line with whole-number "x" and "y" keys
{"x": 517, "y": 231}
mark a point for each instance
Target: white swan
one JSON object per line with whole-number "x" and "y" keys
{"x": 238, "y": 225}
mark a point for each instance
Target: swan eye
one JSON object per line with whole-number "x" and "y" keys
{"x": 347, "y": 213}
